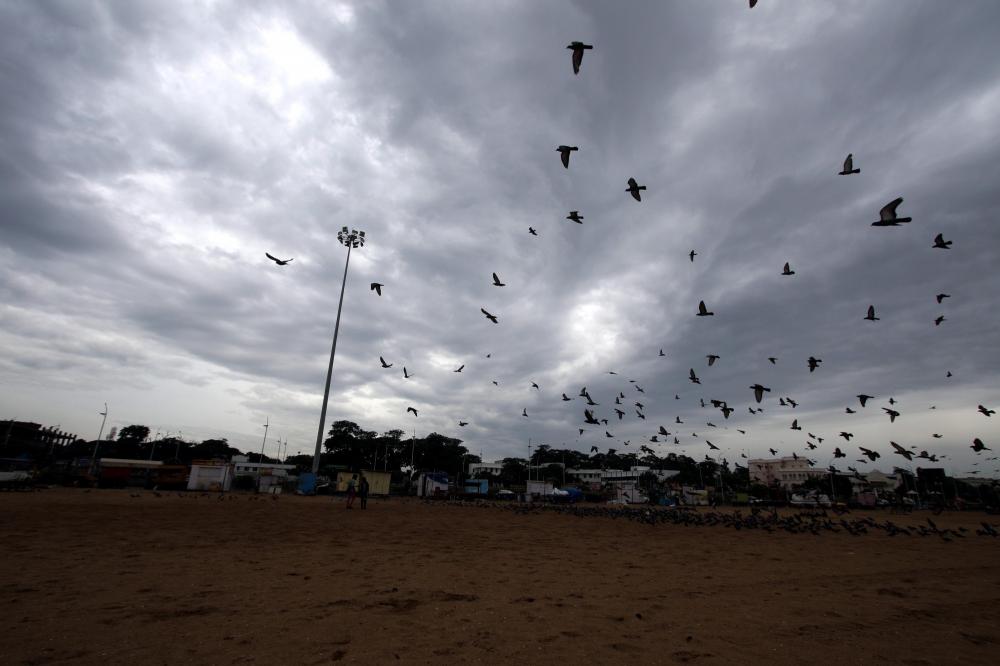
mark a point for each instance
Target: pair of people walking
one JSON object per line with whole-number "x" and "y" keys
{"x": 356, "y": 488}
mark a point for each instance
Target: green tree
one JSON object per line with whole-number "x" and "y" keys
{"x": 133, "y": 434}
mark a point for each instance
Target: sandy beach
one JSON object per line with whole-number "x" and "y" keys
{"x": 108, "y": 577}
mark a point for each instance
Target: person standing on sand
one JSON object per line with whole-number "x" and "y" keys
{"x": 351, "y": 485}
{"x": 363, "y": 491}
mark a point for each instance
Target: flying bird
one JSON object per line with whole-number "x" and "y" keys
{"x": 566, "y": 398}
{"x": 633, "y": 189}
{"x": 661, "y": 353}
{"x": 462, "y": 424}
{"x": 941, "y": 297}
{"x": 901, "y": 451}
{"x": 849, "y": 166}
{"x": 497, "y": 282}
{"x": 588, "y": 417}
{"x": 787, "y": 270}
{"x": 578, "y": 48}
{"x": 694, "y": 378}
{"x": 978, "y": 446}
{"x": 703, "y": 311}
{"x": 712, "y": 358}
{"x": 941, "y": 243}
{"x": 384, "y": 364}
{"x": 871, "y": 314}
{"x": 753, "y": 3}
{"x": 280, "y": 262}
{"x": 986, "y": 412}
{"x": 460, "y": 368}
{"x": 564, "y": 152}
{"x": 773, "y": 360}
{"x": 791, "y": 402}
{"x": 492, "y": 318}
{"x": 795, "y": 425}
{"x": 692, "y": 254}
{"x": 892, "y": 414}
{"x": 535, "y": 386}
{"x": 711, "y": 446}
{"x": 575, "y": 216}
{"x": 847, "y": 435}
{"x": 887, "y": 216}
{"x": 406, "y": 375}
{"x": 531, "y": 230}
{"x": 837, "y": 453}
{"x": 937, "y": 322}
{"x": 773, "y": 452}
{"x": 864, "y": 398}
{"x": 524, "y": 412}
{"x": 411, "y": 409}
{"x": 758, "y": 392}
{"x": 849, "y": 410}
{"x": 376, "y": 287}
{"x": 813, "y": 363}
{"x": 868, "y": 453}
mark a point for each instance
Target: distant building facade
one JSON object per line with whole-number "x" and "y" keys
{"x": 785, "y": 472}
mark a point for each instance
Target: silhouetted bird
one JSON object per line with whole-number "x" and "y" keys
{"x": 575, "y": 216}
{"x": 871, "y": 314}
{"x": 753, "y": 3}
{"x": 703, "y": 311}
{"x": 773, "y": 452}
{"x": 411, "y": 409}
{"x": 887, "y": 216}
{"x": 849, "y": 166}
{"x": 497, "y": 282}
{"x": 588, "y": 417}
{"x": 813, "y": 363}
{"x": 758, "y": 392}
{"x": 678, "y": 420}
{"x": 868, "y": 453}
{"x": 535, "y": 386}
{"x": 791, "y": 402}
{"x": 892, "y": 414}
{"x": 406, "y": 375}
{"x": 492, "y": 318}
{"x": 941, "y": 297}
{"x": 901, "y": 451}
{"x": 633, "y": 189}
{"x": 566, "y": 398}
{"x": 564, "y": 152}
{"x": 986, "y": 412}
{"x": 795, "y": 425}
{"x": 384, "y": 364}
{"x": 849, "y": 410}
{"x": 531, "y": 230}
{"x": 787, "y": 270}
{"x": 864, "y": 398}
{"x": 460, "y": 368}
{"x": 847, "y": 435}
{"x": 692, "y": 254}
{"x": 712, "y": 358}
{"x": 711, "y": 446}
{"x": 837, "y": 453}
{"x": 578, "y": 48}
{"x": 772, "y": 359}
{"x": 937, "y": 436}
{"x": 661, "y": 353}
{"x": 280, "y": 262}
{"x": 941, "y": 243}
{"x": 937, "y": 322}
{"x": 977, "y": 446}
{"x": 376, "y": 287}
{"x": 462, "y": 424}
{"x": 694, "y": 378}
{"x": 524, "y": 412}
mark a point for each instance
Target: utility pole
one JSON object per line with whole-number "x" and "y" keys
{"x": 352, "y": 238}
{"x": 260, "y": 463}
{"x": 93, "y": 458}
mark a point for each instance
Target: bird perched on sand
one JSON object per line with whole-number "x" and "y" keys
{"x": 986, "y": 412}
{"x": 492, "y": 318}
{"x": 575, "y": 216}
{"x": 633, "y": 189}
{"x": 564, "y": 152}
{"x": 384, "y": 364}
{"x": 887, "y": 216}
{"x": 411, "y": 409}
{"x": 941, "y": 243}
{"x": 849, "y": 166}
{"x": 497, "y": 282}
{"x": 578, "y": 48}
{"x": 376, "y": 287}
{"x": 871, "y": 314}
{"x": 280, "y": 262}
{"x": 813, "y": 363}
{"x": 703, "y": 311}
{"x": 758, "y": 392}
{"x": 787, "y": 270}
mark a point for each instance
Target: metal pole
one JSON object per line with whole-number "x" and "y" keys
{"x": 329, "y": 369}
{"x": 93, "y": 458}
{"x": 260, "y": 463}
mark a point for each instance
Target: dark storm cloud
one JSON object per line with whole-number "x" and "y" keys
{"x": 153, "y": 153}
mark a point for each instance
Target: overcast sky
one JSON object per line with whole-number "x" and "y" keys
{"x": 152, "y": 152}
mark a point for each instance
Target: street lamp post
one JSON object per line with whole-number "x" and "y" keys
{"x": 93, "y": 458}
{"x": 350, "y": 239}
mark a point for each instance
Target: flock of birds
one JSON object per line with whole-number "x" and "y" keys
{"x": 888, "y": 217}
{"x": 815, "y": 522}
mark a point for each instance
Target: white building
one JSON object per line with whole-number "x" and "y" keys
{"x": 619, "y": 477}
{"x": 786, "y": 472}
{"x": 493, "y": 468}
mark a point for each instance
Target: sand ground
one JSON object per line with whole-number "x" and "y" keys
{"x": 104, "y": 577}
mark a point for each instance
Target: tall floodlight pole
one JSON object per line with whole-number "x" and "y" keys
{"x": 260, "y": 463}
{"x": 93, "y": 458}
{"x": 350, "y": 239}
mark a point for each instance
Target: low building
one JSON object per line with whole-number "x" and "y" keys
{"x": 882, "y": 481}
{"x": 210, "y": 476}
{"x": 619, "y": 477}
{"x": 786, "y": 472}
{"x": 493, "y": 468}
